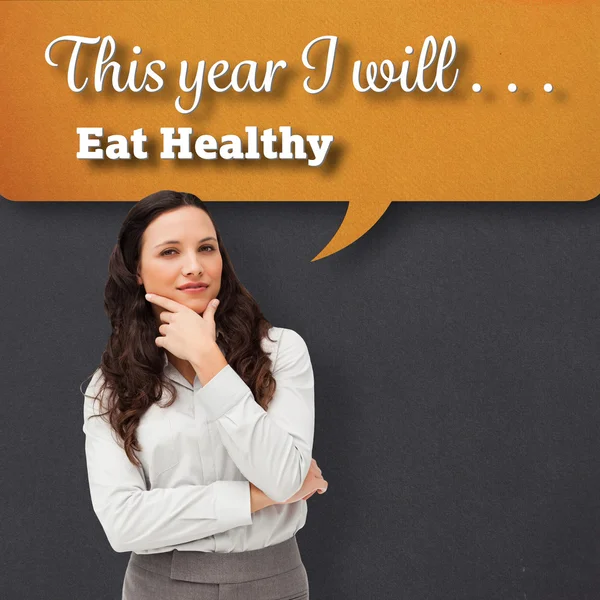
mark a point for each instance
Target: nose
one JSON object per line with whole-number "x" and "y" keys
{"x": 192, "y": 264}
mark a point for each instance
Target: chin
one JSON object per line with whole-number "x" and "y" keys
{"x": 199, "y": 305}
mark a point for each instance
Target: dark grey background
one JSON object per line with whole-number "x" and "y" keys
{"x": 456, "y": 357}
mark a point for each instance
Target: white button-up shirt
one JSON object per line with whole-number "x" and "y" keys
{"x": 199, "y": 455}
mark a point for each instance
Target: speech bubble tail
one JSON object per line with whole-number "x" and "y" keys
{"x": 359, "y": 218}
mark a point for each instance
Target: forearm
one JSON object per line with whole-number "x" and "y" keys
{"x": 206, "y": 368}
{"x": 272, "y": 448}
{"x": 139, "y": 520}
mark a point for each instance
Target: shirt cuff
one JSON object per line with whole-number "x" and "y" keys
{"x": 222, "y": 392}
{"x": 233, "y": 503}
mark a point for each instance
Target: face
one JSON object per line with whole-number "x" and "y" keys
{"x": 179, "y": 247}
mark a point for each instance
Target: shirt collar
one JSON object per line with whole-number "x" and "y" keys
{"x": 174, "y": 375}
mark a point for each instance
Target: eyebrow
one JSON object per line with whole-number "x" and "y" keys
{"x": 177, "y": 241}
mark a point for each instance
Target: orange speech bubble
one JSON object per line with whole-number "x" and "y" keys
{"x": 365, "y": 103}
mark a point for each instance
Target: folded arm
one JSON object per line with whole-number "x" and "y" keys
{"x": 137, "y": 519}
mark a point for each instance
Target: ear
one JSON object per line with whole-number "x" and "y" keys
{"x": 139, "y": 279}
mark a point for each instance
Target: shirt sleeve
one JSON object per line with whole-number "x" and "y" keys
{"x": 271, "y": 448}
{"x": 139, "y": 520}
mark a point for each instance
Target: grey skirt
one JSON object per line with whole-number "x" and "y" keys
{"x": 271, "y": 573}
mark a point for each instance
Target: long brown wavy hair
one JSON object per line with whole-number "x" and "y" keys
{"x": 132, "y": 364}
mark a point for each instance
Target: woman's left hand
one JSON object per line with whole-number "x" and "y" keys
{"x": 185, "y": 333}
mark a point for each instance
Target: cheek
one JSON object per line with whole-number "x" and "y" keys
{"x": 161, "y": 272}
{"x": 216, "y": 270}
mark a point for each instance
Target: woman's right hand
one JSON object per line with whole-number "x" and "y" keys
{"x": 313, "y": 482}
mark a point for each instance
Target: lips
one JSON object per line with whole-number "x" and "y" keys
{"x": 194, "y": 286}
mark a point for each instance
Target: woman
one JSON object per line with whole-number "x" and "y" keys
{"x": 199, "y": 421}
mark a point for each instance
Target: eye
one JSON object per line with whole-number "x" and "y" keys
{"x": 166, "y": 252}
